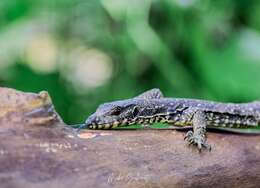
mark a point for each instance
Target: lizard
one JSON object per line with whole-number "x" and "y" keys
{"x": 151, "y": 107}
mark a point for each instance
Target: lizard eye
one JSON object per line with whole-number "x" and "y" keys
{"x": 116, "y": 111}
{"x": 135, "y": 111}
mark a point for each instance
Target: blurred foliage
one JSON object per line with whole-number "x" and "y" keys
{"x": 88, "y": 52}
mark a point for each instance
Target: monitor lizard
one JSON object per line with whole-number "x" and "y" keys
{"x": 151, "y": 106}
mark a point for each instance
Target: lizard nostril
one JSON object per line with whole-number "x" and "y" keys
{"x": 91, "y": 120}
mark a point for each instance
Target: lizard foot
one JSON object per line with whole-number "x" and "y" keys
{"x": 197, "y": 140}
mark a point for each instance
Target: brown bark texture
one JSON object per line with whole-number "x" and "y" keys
{"x": 38, "y": 150}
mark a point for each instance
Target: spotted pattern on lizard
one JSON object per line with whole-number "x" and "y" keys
{"x": 151, "y": 106}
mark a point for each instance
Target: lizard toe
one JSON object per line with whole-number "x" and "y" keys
{"x": 206, "y": 146}
{"x": 188, "y": 135}
{"x": 197, "y": 141}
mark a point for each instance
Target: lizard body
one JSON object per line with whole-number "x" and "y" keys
{"x": 151, "y": 107}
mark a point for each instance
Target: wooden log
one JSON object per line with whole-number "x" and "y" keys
{"x": 38, "y": 150}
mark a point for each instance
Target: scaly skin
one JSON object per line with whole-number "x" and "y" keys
{"x": 151, "y": 107}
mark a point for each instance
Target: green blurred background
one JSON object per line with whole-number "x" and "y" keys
{"x": 86, "y": 52}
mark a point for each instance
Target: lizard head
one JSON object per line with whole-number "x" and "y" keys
{"x": 127, "y": 112}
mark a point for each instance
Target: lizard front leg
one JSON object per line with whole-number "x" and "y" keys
{"x": 198, "y": 135}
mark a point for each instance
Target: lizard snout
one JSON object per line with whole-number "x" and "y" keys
{"x": 90, "y": 121}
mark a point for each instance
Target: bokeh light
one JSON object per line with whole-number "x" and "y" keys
{"x": 85, "y": 53}
{"x": 41, "y": 54}
{"x": 88, "y": 68}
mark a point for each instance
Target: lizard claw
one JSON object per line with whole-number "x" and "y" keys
{"x": 188, "y": 135}
{"x": 197, "y": 140}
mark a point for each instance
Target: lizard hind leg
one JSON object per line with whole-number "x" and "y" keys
{"x": 198, "y": 135}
